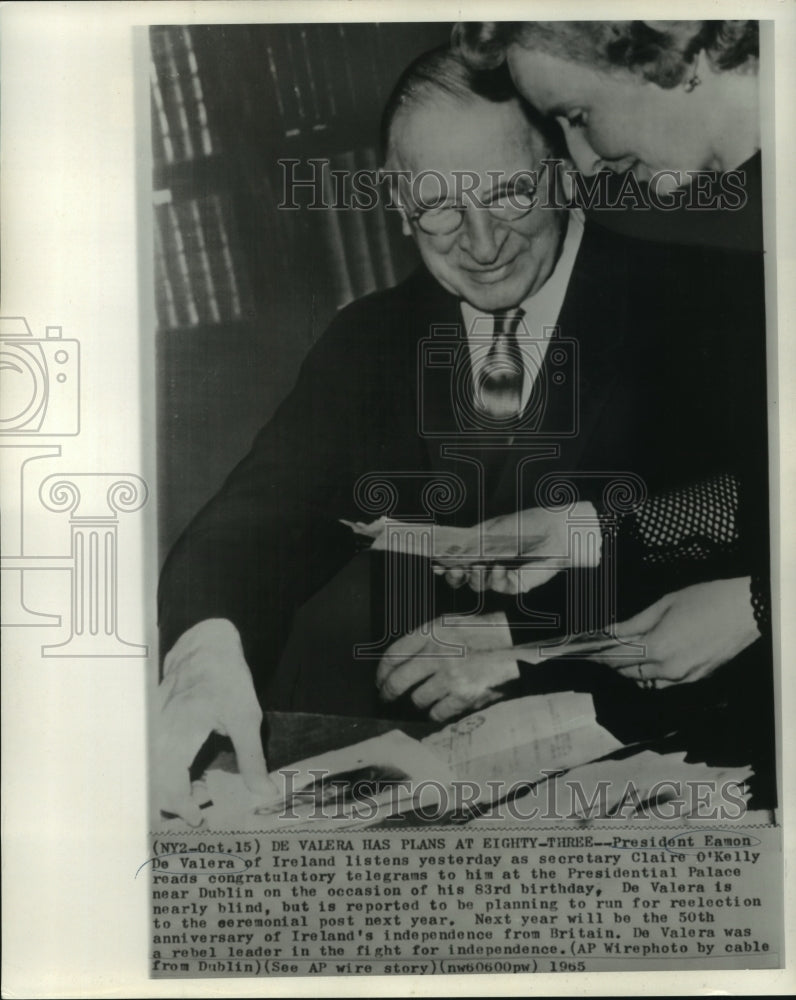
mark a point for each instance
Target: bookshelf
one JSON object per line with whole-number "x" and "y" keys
{"x": 243, "y": 288}
{"x": 229, "y": 102}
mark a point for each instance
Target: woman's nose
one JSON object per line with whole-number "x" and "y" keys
{"x": 482, "y": 236}
{"x": 583, "y": 156}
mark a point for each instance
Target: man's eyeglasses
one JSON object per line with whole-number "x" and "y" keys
{"x": 512, "y": 203}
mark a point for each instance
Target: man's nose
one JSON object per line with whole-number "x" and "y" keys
{"x": 482, "y": 235}
{"x": 583, "y": 156}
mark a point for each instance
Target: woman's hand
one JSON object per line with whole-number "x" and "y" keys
{"x": 517, "y": 552}
{"x": 454, "y": 667}
{"x": 683, "y": 637}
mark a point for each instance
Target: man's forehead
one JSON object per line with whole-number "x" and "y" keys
{"x": 478, "y": 136}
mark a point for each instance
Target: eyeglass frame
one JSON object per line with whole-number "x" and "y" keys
{"x": 416, "y": 217}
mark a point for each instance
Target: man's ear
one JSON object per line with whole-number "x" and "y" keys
{"x": 406, "y": 224}
{"x": 396, "y": 199}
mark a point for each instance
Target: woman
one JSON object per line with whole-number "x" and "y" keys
{"x": 646, "y": 98}
{"x": 658, "y": 99}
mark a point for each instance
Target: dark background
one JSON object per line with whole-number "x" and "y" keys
{"x": 243, "y": 288}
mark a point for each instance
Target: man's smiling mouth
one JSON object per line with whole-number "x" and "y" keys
{"x": 487, "y": 275}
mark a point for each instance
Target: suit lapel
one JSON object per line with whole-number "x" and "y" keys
{"x": 441, "y": 354}
{"x": 592, "y": 324}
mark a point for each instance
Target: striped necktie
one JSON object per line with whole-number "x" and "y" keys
{"x": 498, "y": 385}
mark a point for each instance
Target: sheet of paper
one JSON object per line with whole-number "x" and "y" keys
{"x": 454, "y": 545}
{"x": 616, "y": 786}
{"x": 385, "y": 770}
{"x": 412, "y": 539}
{"x": 518, "y": 740}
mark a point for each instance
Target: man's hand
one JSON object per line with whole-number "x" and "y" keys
{"x": 685, "y": 636}
{"x": 206, "y": 687}
{"x": 491, "y": 556}
{"x": 445, "y": 683}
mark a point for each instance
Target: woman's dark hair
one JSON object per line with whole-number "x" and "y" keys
{"x": 442, "y": 71}
{"x": 658, "y": 51}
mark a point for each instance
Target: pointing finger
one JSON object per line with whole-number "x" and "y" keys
{"x": 244, "y": 731}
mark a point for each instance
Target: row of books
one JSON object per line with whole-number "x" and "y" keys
{"x": 227, "y": 103}
{"x": 200, "y": 276}
{"x": 180, "y": 122}
{"x": 288, "y": 81}
{"x": 196, "y": 279}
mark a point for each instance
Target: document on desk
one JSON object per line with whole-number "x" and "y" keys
{"x": 355, "y": 785}
{"x": 648, "y": 778}
{"x": 524, "y": 739}
{"x": 517, "y": 741}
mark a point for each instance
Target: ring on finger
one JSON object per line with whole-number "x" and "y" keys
{"x": 645, "y": 683}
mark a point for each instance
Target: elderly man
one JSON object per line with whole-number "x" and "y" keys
{"x": 523, "y": 349}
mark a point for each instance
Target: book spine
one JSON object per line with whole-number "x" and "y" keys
{"x": 178, "y": 97}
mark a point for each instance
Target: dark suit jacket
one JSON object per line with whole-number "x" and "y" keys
{"x": 657, "y": 374}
